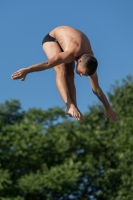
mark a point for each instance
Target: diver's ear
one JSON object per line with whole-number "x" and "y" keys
{"x": 79, "y": 60}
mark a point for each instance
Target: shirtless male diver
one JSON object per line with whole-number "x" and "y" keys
{"x": 63, "y": 46}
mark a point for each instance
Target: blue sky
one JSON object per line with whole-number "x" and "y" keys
{"x": 23, "y": 24}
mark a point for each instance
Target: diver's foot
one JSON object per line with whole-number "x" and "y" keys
{"x": 72, "y": 111}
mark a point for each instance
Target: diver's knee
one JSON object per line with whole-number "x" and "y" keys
{"x": 60, "y": 70}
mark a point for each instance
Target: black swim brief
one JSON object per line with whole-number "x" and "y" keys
{"x": 48, "y": 38}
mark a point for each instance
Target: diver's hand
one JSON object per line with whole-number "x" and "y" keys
{"x": 110, "y": 113}
{"x": 20, "y": 74}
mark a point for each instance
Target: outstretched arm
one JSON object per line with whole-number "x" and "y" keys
{"x": 63, "y": 57}
{"x": 101, "y": 96}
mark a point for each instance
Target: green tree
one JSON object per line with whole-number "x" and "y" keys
{"x": 43, "y": 155}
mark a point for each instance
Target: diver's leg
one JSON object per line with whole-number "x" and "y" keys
{"x": 71, "y": 84}
{"x": 51, "y": 49}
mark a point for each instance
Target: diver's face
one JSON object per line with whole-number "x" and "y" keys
{"x": 81, "y": 70}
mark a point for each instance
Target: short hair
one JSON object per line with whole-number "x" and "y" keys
{"x": 90, "y": 63}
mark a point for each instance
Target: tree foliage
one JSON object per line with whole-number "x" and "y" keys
{"x": 43, "y": 155}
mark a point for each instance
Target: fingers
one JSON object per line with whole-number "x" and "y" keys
{"x": 20, "y": 74}
{"x": 114, "y": 118}
{"x": 16, "y": 75}
{"x": 112, "y": 115}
